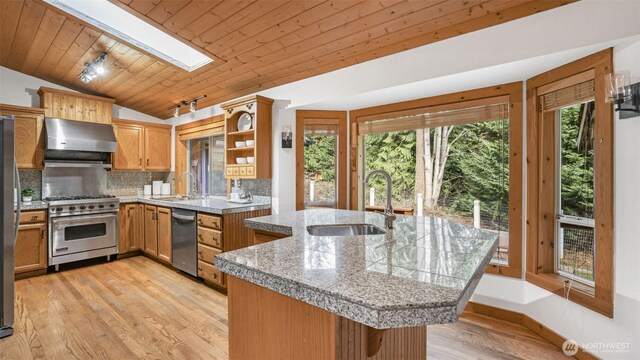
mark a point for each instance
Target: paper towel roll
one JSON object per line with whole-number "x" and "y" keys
{"x": 166, "y": 189}
{"x": 157, "y": 187}
{"x": 147, "y": 190}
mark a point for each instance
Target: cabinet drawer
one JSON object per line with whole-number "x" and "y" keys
{"x": 30, "y": 217}
{"x": 210, "y": 237}
{"x": 229, "y": 171}
{"x": 243, "y": 171}
{"x": 210, "y": 273}
{"x": 207, "y": 253}
{"x": 251, "y": 170}
{"x": 210, "y": 221}
{"x": 235, "y": 171}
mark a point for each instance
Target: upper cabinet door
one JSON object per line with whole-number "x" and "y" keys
{"x": 29, "y": 146}
{"x": 29, "y": 139}
{"x": 130, "y": 152}
{"x": 157, "y": 148}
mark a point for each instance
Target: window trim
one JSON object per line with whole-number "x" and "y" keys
{"x": 538, "y": 270}
{"x": 514, "y": 92}
{"x": 322, "y": 117}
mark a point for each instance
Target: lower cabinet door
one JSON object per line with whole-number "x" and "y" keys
{"x": 164, "y": 235}
{"x": 150, "y": 231}
{"x": 210, "y": 273}
{"x": 31, "y": 248}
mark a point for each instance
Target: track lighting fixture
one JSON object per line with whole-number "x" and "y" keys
{"x": 93, "y": 69}
{"x": 193, "y": 104}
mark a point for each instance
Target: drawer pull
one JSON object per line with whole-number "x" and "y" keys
{"x": 34, "y": 217}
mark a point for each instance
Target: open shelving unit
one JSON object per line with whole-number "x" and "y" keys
{"x": 260, "y": 132}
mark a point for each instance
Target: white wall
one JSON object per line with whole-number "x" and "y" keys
{"x": 567, "y": 318}
{"x": 283, "y": 183}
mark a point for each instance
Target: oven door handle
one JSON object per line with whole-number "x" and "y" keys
{"x": 59, "y": 221}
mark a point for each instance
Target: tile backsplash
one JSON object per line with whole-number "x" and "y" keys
{"x": 32, "y": 179}
{"x": 129, "y": 183}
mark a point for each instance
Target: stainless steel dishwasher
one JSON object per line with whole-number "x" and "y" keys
{"x": 184, "y": 240}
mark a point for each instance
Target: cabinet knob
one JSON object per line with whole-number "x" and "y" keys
{"x": 140, "y": 161}
{"x": 147, "y": 162}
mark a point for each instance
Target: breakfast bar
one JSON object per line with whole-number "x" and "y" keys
{"x": 349, "y": 296}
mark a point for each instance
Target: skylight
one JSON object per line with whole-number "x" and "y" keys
{"x": 118, "y": 22}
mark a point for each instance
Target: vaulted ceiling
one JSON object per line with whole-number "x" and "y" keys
{"x": 256, "y": 44}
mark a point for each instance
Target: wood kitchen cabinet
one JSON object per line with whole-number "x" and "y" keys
{"x": 31, "y": 245}
{"x": 29, "y": 135}
{"x": 130, "y": 232}
{"x": 75, "y": 106}
{"x": 157, "y": 233}
{"x": 210, "y": 243}
{"x": 142, "y": 146}
{"x": 259, "y": 108}
{"x": 157, "y": 148}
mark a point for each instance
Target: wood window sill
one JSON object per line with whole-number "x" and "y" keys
{"x": 580, "y": 293}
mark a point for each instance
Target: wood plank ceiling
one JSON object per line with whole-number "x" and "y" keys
{"x": 256, "y": 44}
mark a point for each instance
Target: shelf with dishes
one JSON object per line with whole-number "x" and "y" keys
{"x": 248, "y": 137}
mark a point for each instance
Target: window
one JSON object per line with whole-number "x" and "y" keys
{"x": 575, "y": 256}
{"x": 199, "y": 150}
{"x": 320, "y": 166}
{"x": 456, "y": 156}
{"x": 458, "y": 172}
{"x": 206, "y": 165}
{"x": 570, "y": 183}
{"x": 321, "y": 160}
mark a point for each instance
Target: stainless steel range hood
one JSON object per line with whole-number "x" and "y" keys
{"x": 70, "y": 139}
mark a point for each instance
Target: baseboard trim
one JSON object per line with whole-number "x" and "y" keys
{"x": 529, "y": 323}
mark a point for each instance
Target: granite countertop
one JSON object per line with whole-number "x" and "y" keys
{"x": 33, "y": 205}
{"x": 212, "y": 204}
{"x": 422, "y": 272}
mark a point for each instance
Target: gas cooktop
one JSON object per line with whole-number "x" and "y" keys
{"x": 78, "y": 197}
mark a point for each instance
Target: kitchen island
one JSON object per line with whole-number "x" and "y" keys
{"x": 350, "y": 297}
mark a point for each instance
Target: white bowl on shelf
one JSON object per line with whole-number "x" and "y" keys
{"x": 241, "y": 160}
{"x": 240, "y": 144}
{"x": 250, "y": 142}
{"x": 251, "y": 159}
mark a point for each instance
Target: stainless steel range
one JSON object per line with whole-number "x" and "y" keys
{"x": 82, "y": 227}
{"x": 83, "y": 219}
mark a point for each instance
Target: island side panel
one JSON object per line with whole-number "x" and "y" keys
{"x": 267, "y": 325}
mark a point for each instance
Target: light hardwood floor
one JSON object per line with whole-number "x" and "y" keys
{"x": 136, "y": 308}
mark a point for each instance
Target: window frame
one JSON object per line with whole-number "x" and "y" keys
{"x": 511, "y": 93}
{"x": 539, "y": 264}
{"x": 322, "y": 117}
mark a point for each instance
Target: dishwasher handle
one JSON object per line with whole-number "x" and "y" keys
{"x": 183, "y": 217}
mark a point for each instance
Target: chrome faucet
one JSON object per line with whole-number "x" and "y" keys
{"x": 193, "y": 183}
{"x": 389, "y": 216}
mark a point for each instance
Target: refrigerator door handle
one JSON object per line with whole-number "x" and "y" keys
{"x": 18, "y": 200}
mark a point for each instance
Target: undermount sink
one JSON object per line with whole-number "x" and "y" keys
{"x": 345, "y": 230}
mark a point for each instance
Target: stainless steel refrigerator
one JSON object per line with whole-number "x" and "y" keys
{"x": 9, "y": 180}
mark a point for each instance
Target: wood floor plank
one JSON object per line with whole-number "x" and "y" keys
{"x": 138, "y": 309}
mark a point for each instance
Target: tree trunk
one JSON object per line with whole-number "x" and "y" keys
{"x": 428, "y": 170}
{"x": 420, "y": 161}
{"x": 436, "y": 154}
